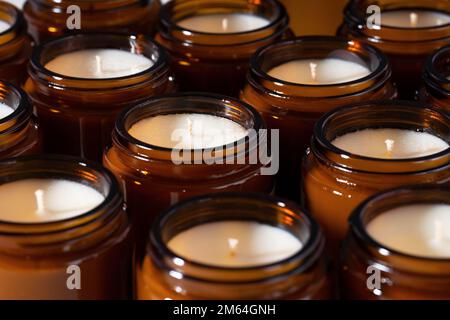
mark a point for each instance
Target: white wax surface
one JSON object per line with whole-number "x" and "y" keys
{"x": 99, "y": 63}
{"x": 390, "y": 143}
{"x": 4, "y": 26}
{"x": 224, "y": 23}
{"x": 319, "y": 71}
{"x": 44, "y": 200}
{"x": 5, "y": 110}
{"x": 187, "y": 131}
{"x": 414, "y": 18}
{"x": 421, "y": 230}
{"x": 235, "y": 244}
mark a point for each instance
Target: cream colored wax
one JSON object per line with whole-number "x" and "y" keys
{"x": 5, "y": 110}
{"x": 414, "y": 18}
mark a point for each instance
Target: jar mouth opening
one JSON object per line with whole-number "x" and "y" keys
{"x": 290, "y": 218}
{"x": 403, "y": 196}
{"x": 318, "y": 47}
{"x": 188, "y": 102}
{"x": 16, "y": 99}
{"x": 140, "y": 44}
{"x": 372, "y": 115}
{"x": 11, "y": 15}
{"x": 177, "y": 10}
{"x": 56, "y": 166}
{"x": 90, "y": 6}
{"x": 436, "y": 67}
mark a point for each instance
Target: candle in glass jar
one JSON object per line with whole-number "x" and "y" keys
{"x": 5, "y": 110}
{"x": 224, "y": 23}
{"x": 99, "y": 64}
{"x": 46, "y": 200}
{"x": 419, "y": 229}
{"x": 390, "y": 143}
{"x": 319, "y": 71}
{"x": 187, "y": 131}
{"x": 4, "y": 26}
{"x": 235, "y": 244}
{"x": 414, "y": 18}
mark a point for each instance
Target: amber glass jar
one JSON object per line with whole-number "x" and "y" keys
{"x": 436, "y": 77}
{"x": 406, "y": 48}
{"x": 15, "y": 45}
{"x": 294, "y": 108}
{"x": 19, "y": 131}
{"x": 34, "y": 257}
{"x": 336, "y": 181}
{"x": 402, "y": 276}
{"x": 152, "y": 181}
{"x": 164, "y": 275}
{"x": 78, "y": 114}
{"x": 50, "y": 18}
{"x": 217, "y": 62}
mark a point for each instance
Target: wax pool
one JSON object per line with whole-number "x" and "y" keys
{"x": 390, "y": 143}
{"x": 414, "y": 19}
{"x": 5, "y": 110}
{"x": 99, "y": 63}
{"x": 187, "y": 131}
{"x": 224, "y": 23}
{"x": 420, "y": 229}
{"x": 319, "y": 71}
{"x": 45, "y": 200}
{"x": 235, "y": 244}
{"x": 4, "y": 26}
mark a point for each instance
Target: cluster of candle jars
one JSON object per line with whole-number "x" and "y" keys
{"x": 199, "y": 220}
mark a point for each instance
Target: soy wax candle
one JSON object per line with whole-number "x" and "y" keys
{"x": 79, "y": 84}
{"x": 62, "y": 217}
{"x": 359, "y": 150}
{"x": 189, "y": 126}
{"x": 409, "y": 32}
{"x": 405, "y": 235}
{"x": 15, "y": 44}
{"x": 210, "y": 43}
{"x": 436, "y": 75}
{"x": 293, "y": 83}
{"x": 20, "y": 133}
{"x": 234, "y": 246}
{"x": 53, "y": 18}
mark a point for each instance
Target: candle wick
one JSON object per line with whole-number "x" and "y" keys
{"x": 313, "y": 68}
{"x": 233, "y": 243}
{"x": 225, "y": 24}
{"x": 39, "y": 194}
{"x": 413, "y": 17}
{"x": 98, "y": 61}
{"x": 389, "y": 147}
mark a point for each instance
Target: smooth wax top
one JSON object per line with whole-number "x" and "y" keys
{"x": 99, "y": 64}
{"x": 414, "y": 19}
{"x": 187, "y": 131}
{"x": 390, "y": 143}
{"x": 420, "y": 229}
{"x": 45, "y": 200}
{"x": 5, "y": 110}
{"x": 319, "y": 71}
{"x": 224, "y": 23}
{"x": 235, "y": 244}
{"x": 4, "y": 26}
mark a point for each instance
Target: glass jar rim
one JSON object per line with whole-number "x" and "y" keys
{"x": 104, "y": 4}
{"x": 308, "y": 249}
{"x": 320, "y": 140}
{"x": 256, "y": 69}
{"x": 112, "y": 195}
{"x": 123, "y": 134}
{"x": 431, "y": 75}
{"x": 423, "y": 192}
{"x": 167, "y": 22}
{"x": 16, "y": 25}
{"x": 23, "y": 104}
{"x": 36, "y": 64}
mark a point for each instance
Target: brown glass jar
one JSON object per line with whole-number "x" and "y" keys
{"x": 35, "y": 257}
{"x": 406, "y": 48}
{"x": 49, "y": 18}
{"x": 436, "y": 77}
{"x": 335, "y": 182}
{"x": 212, "y": 62}
{"x": 77, "y": 115}
{"x": 162, "y": 274}
{"x": 294, "y": 108}
{"x": 152, "y": 182}
{"x": 19, "y": 131}
{"x": 401, "y": 276}
{"x": 15, "y": 45}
